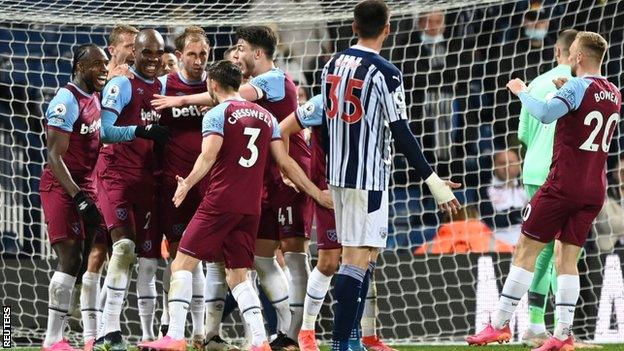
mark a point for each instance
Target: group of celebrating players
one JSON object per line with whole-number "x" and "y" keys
{"x": 133, "y": 156}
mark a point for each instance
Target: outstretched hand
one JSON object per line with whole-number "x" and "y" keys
{"x": 181, "y": 191}
{"x": 162, "y": 101}
{"x": 451, "y": 207}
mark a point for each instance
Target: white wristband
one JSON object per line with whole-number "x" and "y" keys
{"x": 441, "y": 192}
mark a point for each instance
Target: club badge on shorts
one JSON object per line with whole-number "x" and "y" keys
{"x": 122, "y": 214}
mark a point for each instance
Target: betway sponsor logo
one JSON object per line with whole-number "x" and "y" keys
{"x": 190, "y": 111}
{"x": 90, "y": 128}
{"x": 150, "y": 115}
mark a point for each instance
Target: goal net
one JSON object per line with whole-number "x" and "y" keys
{"x": 436, "y": 281}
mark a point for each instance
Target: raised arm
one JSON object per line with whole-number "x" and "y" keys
{"x": 544, "y": 111}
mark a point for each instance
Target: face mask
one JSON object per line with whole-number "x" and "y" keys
{"x": 535, "y": 34}
{"x": 428, "y": 39}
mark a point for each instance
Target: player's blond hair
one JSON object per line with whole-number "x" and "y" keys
{"x": 592, "y": 44}
{"x": 191, "y": 34}
{"x": 118, "y": 31}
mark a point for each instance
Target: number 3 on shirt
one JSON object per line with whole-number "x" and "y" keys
{"x": 589, "y": 145}
{"x": 350, "y": 97}
{"x": 251, "y": 145}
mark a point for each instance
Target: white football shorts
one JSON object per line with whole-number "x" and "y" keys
{"x": 361, "y": 217}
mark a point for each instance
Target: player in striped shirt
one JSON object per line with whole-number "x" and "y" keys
{"x": 538, "y": 141}
{"x": 364, "y": 101}
{"x": 310, "y": 115}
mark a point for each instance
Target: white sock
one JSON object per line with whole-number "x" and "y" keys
{"x": 275, "y": 285}
{"x": 146, "y": 295}
{"x": 197, "y": 301}
{"x": 59, "y": 298}
{"x": 116, "y": 283}
{"x": 537, "y": 328}
{"x": 164, "y": 317}
{"x": 215, "y": 291}
{"x": 180, "y": 294}
{"x": 318, "y": 285}
{"x": 101, "y": 300}
{"x": 369, "y": 316}
{"x": 249, "y": 304}
{"x": 517, "y": 284}
{"x": 299, "y": 267}
{"x": 89, "y": 308}
{"x": 568, "y": 290}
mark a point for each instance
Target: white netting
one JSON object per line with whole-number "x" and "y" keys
{"x": 458, "y": 107}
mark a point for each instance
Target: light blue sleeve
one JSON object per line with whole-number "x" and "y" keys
{"x": 310, "y": 114}
{"x": 572, "y": 92}
{"x": 214, "y": 119}
{"x": 110, "y": 133}
{"x": 63, "y": 111}
{"x": 116, "y": 94}
{"x": 272, "y": 84}
{"x": 277, "y": 133}
{"x": 163, "y": 82}
{"x": 545, "y": 111}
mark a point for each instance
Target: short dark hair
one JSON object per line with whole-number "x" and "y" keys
{"x": 80, "y": 54}
{"x": 259, "y": 36}
{"x": 227, "y": 74}
{"x": 371, "y": 17}
{"x": 566, "y": 38}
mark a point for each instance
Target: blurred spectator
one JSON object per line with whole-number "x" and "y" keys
{"x": 504, "y": 199}
{"x": 433, "y": 80}
{"x": 463, "y": 233}
{"x": 169, "y": 62}
{"x": 527, "y": 53}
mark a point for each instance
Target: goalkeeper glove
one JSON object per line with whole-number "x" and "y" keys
{"x": 439, "y": 189}
{"x": 154, "y": 132}
{"x": 87, "y": 209}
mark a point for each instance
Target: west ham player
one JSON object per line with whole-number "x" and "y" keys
{"x": 67, "y": 190}
{"x": 364, "y": 101}
{"x": 120, "y": 46}
{"x": 170, "y": 62}
{"x": 179, "y": 155}
{"x": 126, "y": 180}
{"x": 586, "y": 109}
{"x": 310, "y": 115}
{"x": 282, "y": 220}
{"x": 538, "y": 139}
{"x": 238, "y": 136}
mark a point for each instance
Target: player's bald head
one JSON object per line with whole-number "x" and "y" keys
{"x": 148, "y": 37}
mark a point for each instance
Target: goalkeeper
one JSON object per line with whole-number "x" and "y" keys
{"x": 537, "y": 139}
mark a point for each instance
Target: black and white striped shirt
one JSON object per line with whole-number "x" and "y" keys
{"x": 362, "y": 94}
